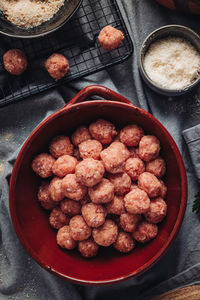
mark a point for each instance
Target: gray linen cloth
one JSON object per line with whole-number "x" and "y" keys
{"x": 192, "y": 138}
{"x": 20, "y": 276}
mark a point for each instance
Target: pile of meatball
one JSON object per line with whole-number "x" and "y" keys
{"x": 103, "y": 187}
{"x": 57, "y": 65}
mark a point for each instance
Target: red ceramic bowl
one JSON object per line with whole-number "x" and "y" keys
{"x": 31, "y": 222}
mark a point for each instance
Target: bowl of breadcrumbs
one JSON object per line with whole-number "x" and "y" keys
{"x": 169, "y": 60}
{"x": 34, "y": 18}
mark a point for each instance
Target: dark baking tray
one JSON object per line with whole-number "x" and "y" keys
{"x": 77, "y": 40}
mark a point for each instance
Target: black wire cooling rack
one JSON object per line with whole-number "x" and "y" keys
{"x": 77, "y": 40}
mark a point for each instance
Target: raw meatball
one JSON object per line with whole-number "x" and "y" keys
{"x": 72, "y": 188}
{"x": 80, "y": 135}
{"x": 64, "y": 165}
{"x": 57, "y": 65}
{"x": 121, "y": 181}
{"x": 114, "y": 157}
{"x": 116, "y": 206}
{"x": 156, "y": 167}
{"x": 77, "y": 154}
{"x": 137, "y": 201}
{"x": 110, "y": 38}
{"x": 79, "y": 229}
{"x": 88, "y": 248}
{"x": 133, "y": 152}
{"x": 70, "y": 207}
{"x": 131, "y": 135}
{"x": 90, "y": 149}
{"x": 128, "y": 222}
{"x": 15, "y": 61}
{"x": 42, "y": 165}
{"x": 157, "y": 211}
{"x": 149, "y": 147}
{"x": 44, "y": 196}
{"x": 86, "y": 199}
{"x": 60, "y": 146}
{"x": 64, "y": 238}
{"x": 150, "y": 184}
{"x": 103, "y": 131}
{"x": 163, "y": 189}
{"x": 57, "y": 218}
{"x": 55, "y": 189}
{"x": 145, "y": 232}
{"x": 117, "y": 138}
{"x": 134, "y": 186}
{"x": 134, "y": 167}
{"x": 93, "y": 214}
{"x": 89, "y": 172}
{"x": 101, "y": 193}
{"x": 124, "y": 242}
{"x": 106, "y": 234}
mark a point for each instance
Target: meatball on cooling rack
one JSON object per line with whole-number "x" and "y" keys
{"x": 15, "y": 61}
{"x": 110, "y": 38}
{"x": 57, "y": 65}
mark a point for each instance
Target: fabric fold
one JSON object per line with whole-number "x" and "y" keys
{"x": 192, "y": 139}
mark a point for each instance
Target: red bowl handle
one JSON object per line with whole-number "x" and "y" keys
{"x": 97, "y": 90}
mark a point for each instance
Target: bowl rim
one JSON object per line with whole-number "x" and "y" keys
{"x": 151, "y": 83}
{"x": 174, "y": 231}
{"x": 32, "y": 36}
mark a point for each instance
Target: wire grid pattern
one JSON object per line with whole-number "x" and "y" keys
{"x": 77, "y": 40}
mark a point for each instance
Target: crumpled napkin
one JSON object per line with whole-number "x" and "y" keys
{"x": 192, "y": 139}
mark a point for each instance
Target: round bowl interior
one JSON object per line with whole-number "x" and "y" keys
{"x": 31, "y": 221}
{"x": 163, "y": 32}
{"x": 58, "y": 20}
